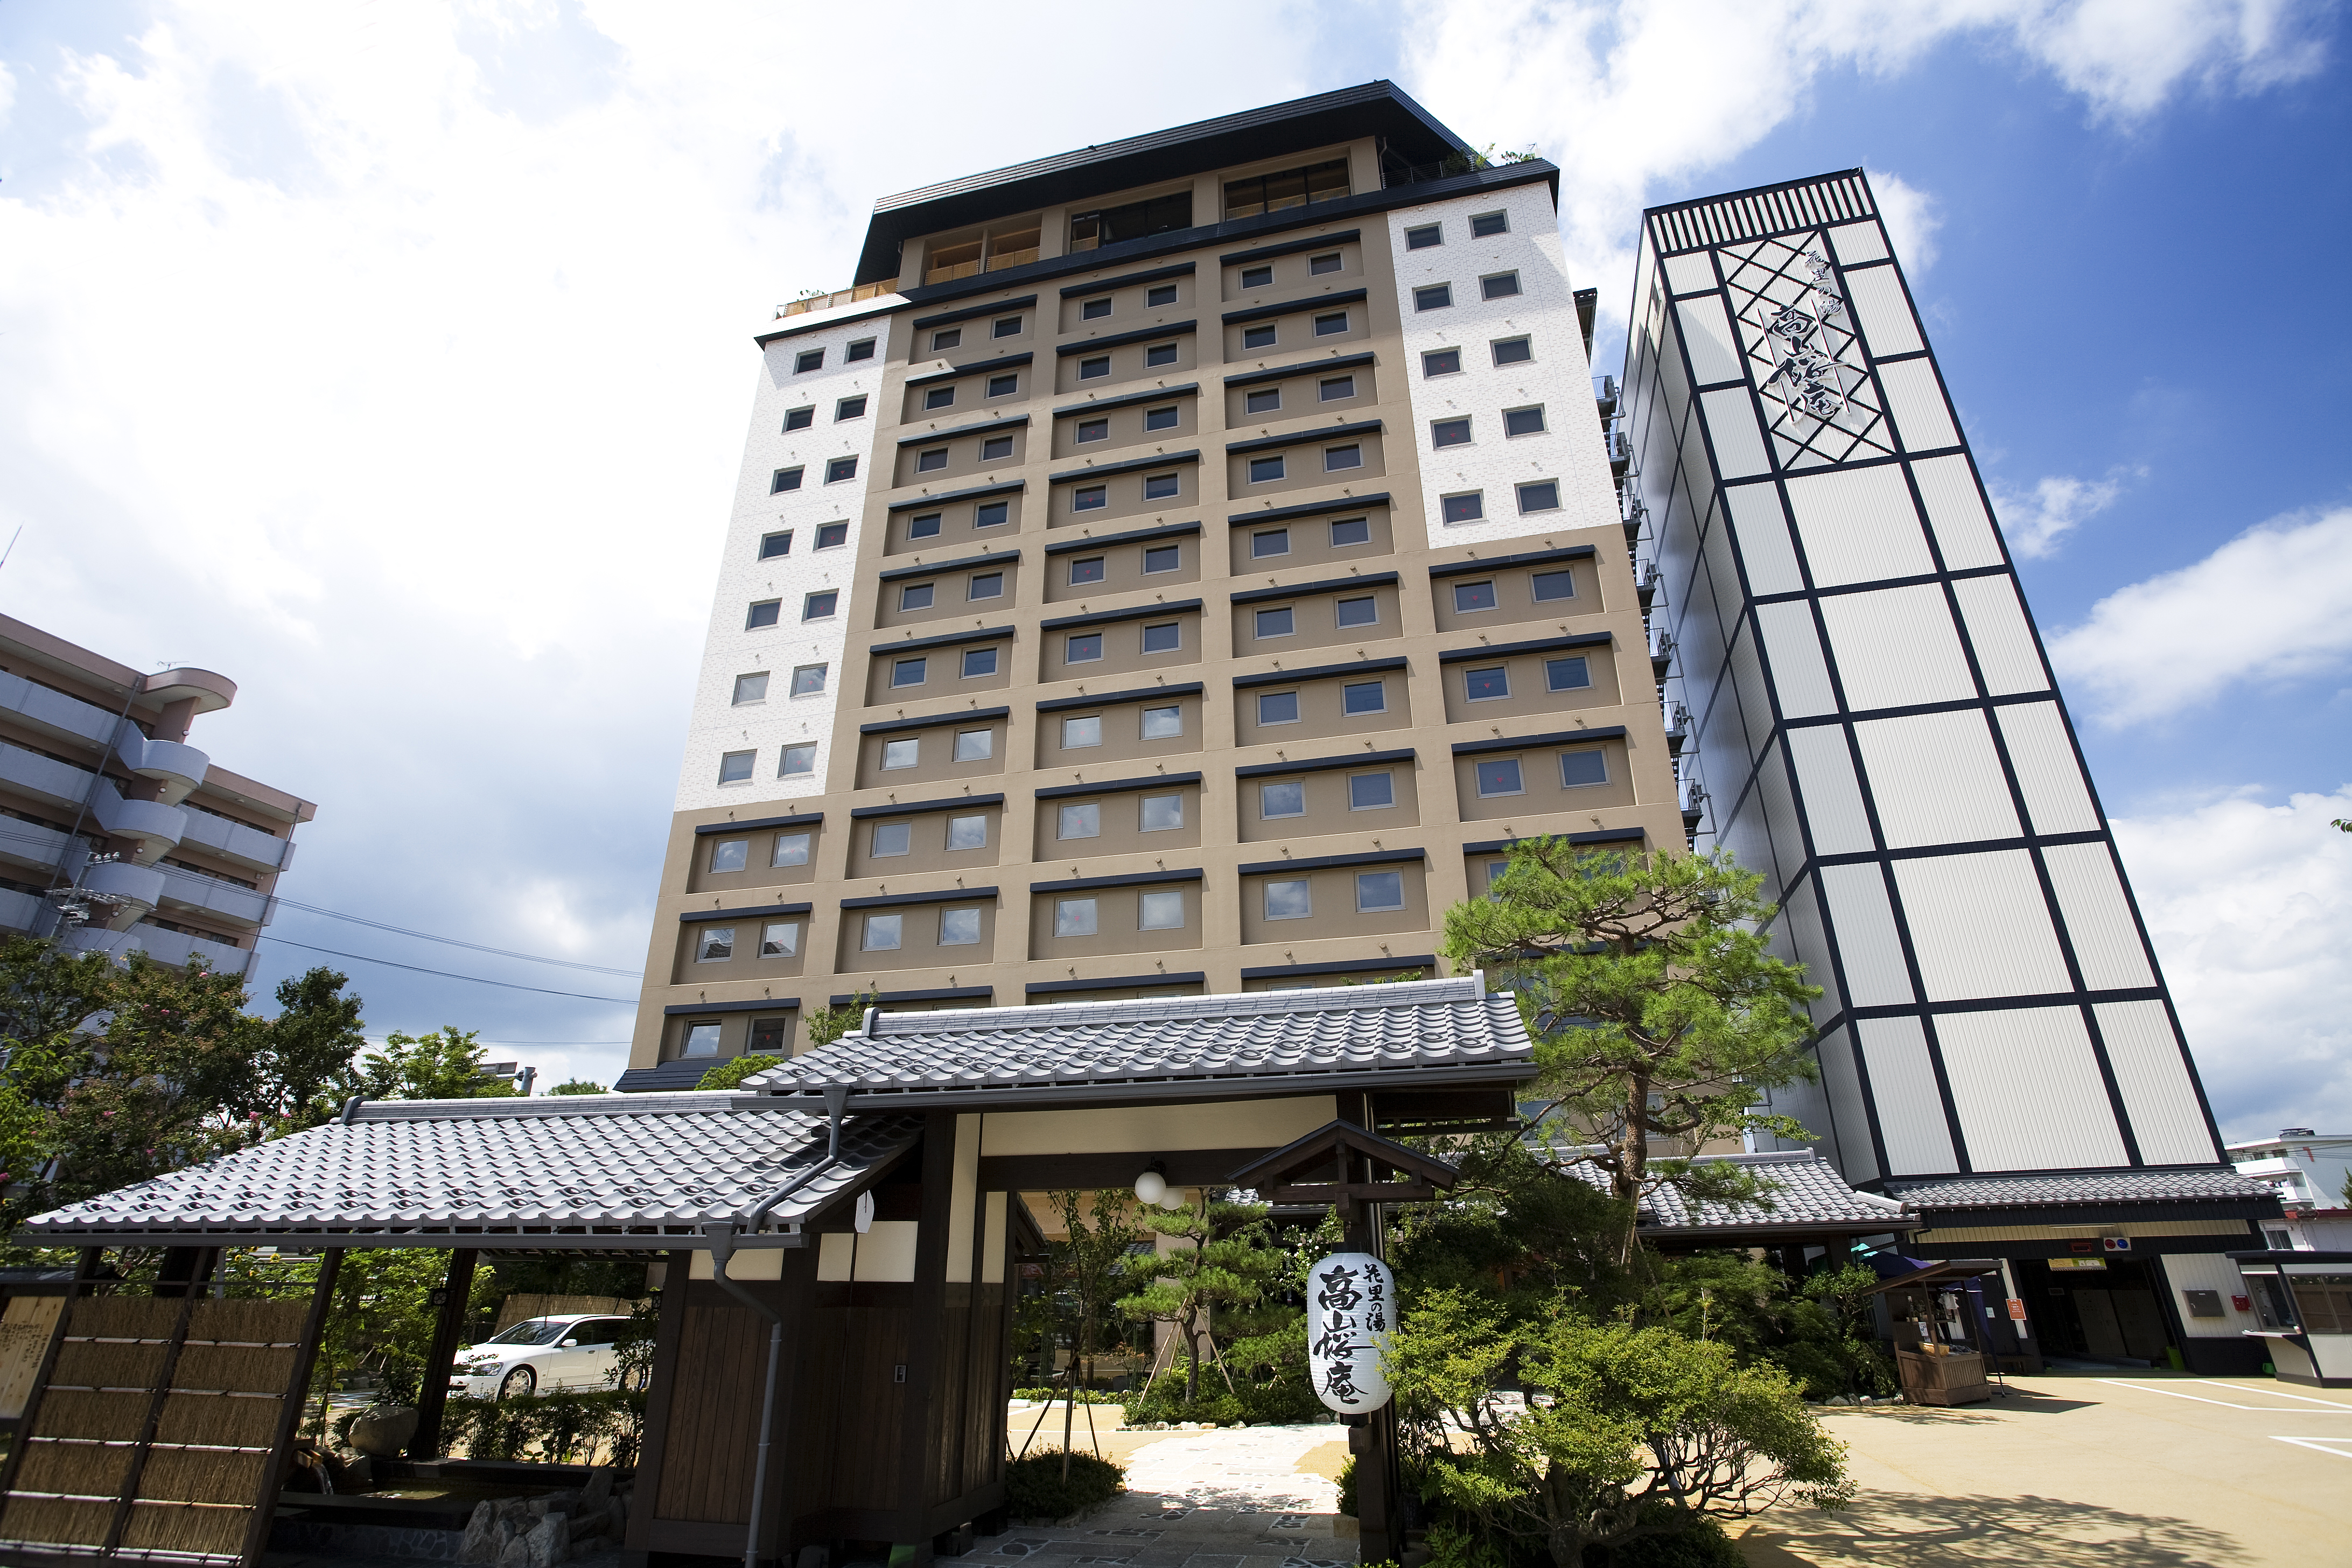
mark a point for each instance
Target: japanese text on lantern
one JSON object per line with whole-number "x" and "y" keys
{"x": 1354, "y": 1301}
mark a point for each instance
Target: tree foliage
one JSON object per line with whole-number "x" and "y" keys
{"x": 734, "y": 1070}
{"x": 1220, "y": 1270}
{"x": 445, "y": 1064}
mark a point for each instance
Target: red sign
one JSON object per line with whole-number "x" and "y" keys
{"x": 2016, "y": 1310}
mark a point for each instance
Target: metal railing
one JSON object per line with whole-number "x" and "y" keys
{"x": 839, "y": 297}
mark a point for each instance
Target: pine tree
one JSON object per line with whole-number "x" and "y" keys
{"x": 1224, "y": 1263}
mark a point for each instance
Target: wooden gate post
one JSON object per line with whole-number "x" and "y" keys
{"x": 433, "y": 1396}
{"x": 290, "y": 1415}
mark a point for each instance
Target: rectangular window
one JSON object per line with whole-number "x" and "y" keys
{"x": 1349, "y": 530}
{"x": 1095, "y": 310}
{"x": 701, "y": 1040}
{"x": 1433, "y": 297}
{"x": 924, "y": 527}
{"x": 799, "y": 419}
{"x": 1523, "y": 421}
{"x": 1485, "y": 684}
{"x": 1560, "y": 585}
{"x": 1087, "y": 569}
{"x": 1335, "y": 458}
{"x": 1266, "y": 402}
{"x": 958, "y": 927}
{"x": 1469, "y": 507}
{"x": 974, "y": 745}
{"x": 775, "y": 545}
{"x": 839, "y": 469}
{"x": 1094, "y": 369}
{"x": 903, "y": 753}
{"x": 1093, "y": 430}
{"x": 1364, "y": 697}
{"x": 820, "y": 606}
{"x": 911, "y": 671}
{"x": 1378, "y": 890}
{"x": 1363, "y": 612}
{"x": 781, "y": 940}
{"x": 994, "y": 447}
{"x": 1277, "y": 708}
{"x": 1265, "y": 469}
{"x": 1318, "y": 265}
{"x": 1579, "y": 768}
{"x": 893, "y": 839}
{"x": 735, "y": 767}
{"x": 1442, "y": 362}
{"x": 1499, "y": 286}
{"x": 1080, "y": 821}
{"x": 882, "y": 933}
{"x": 1289, "y": 901}
{"x": 1269, "y": 541}
{"x": 1370, "y": 792}
{"x": 808, "y": 360}
{"x": 946, "y": 338}
{"x": 1162, "y": 813}
{"x": 1495, "y": 872}
{"x": 1567, "y": 674}
{"x": 1472, "y": 597}
{"x": 1338, "y": 387}
{"x": 849, "y": 408}
{"x": 730, "y": 854}
{"x": 1084, "y": 648}
{"x": 1337, "y": 322}
{"x": 808, "y": 680}
{"x": 1162, "y": 909}
{"x": 1423, "y": 237}
{"x": 986, "y": 585}
{"x": 1004, "y": 385}
{"x": 1257, "y": 277}
{"x": 990, "y": 513}
{"x": 1159, "y": 486}
{"x": 978, "y": 662}
{"x": 1163, "y": 558}
{"x": 1160, "y": 418}
{"x": 715, "y": 944}
{"x": 795, "y": 762}
{"x": 751, "y": 689}
{"x": 784, "y": 479}
{"x": 1288, "y": 798}
{"x": 1322, "y": 182}
{"x": 831, "y": 535}
{"x": 1513, "y": 351}
{"x": 1159, "y": 354}
{"x": 1166, "y": 636}
{"x": 1499, "y": 777}
{"x": 792, "y": 849}
{"x": 915, "y": 595}
{"x": 1082, "y": 731}
{"x": 1090, "y": 498}
{"x": 1163, "y": 294}
{"x": 939, "y": 397}
{"x": 766, "y": 613}
{"x": 1275, "y": 623}
{"x": 1484, "y": 224}
{"x": 1539, "y": 495}
{"x": 1074, "y": 917}
{"x": 1449, "y": 432}
{"x": 1005, "y": 327}
{"x": 1261, "y": 336}
{"x": 968, "y": 832}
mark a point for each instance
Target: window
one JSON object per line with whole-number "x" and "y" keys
{"x": 766, "y": 613}
{"x": 1091, "y": 369}
{"x": 974, "y": 745}
{"x": 1423, "y": 237}
{"x": 784, "y": 479}
{"x": 995, "y": 447}
{"x": 1378, "y": 891}
{"x": 882, "y": 933}
{"x": 781, "y": 940}
{"x": 1074, "y": 917}
{"x": 1162, "y": 813}
{"x": 1269, "y": 541}
{"x": 1513, "y": 351}
{"x": 775, "y": 545}
{"x": 1261, "y": 336}
{"x": 1560, "y": 585}
{"x": 1349, "y": 530}
{"x": 1277, "y": 708}
{"x": 924, "y": 527}
{"x": 1257, "y": 277}
{"x": 1318, "y": 265}
{"x": 958, "y": 927}
{"x": 751, "y": 689}
{"x": 1484, "y": 224}
{"x": 911, "y": 671}
{"x": 1495, "y": 870}
{"x": 1163, "y": 558}
{"x": 1577, "y": 769}
{"x": 1090, "y": 498}
{"x": 1363, "y": 612}
{"x": 1159, "y": 354}
{"x": 1338, "y": 387}
{"x": 1087, "y": 569}
{"x": 1469, "y": 507}
{"x": 1567, "y": 674}
{"x": 1160, "y": 911}
{"x": 799, "y": 419}
{"x": 1499, "y": 286}
{"x": 701, "y": 1039}
{"x": 1335, "y": 458}
{"x": 1449, "y": 432}
{"x": 1080, "y": 821}
{"x": 1523, "y": 421}
{"x": 1166, "y": 636}
{"x": 840, "y": 469}
{"x": 1153, "y": 214}
{"x": 1163, "y": 723}
{"x": 903, "y": 753}
{"x": 986, "y": 585}
{"x": 1539, "y": 495}
{"x": 831, "y": 535}
{"x": 792, "y": 849}
{"x": 1159, "y": 486}
{"x": 1433, "y": 297}
{"x": 1005, "y": 327}
{"x": 1370, "y": 792}
{"x": 820, "y": 606}
{"x": 1004, "y": 385}
{"x": 1093, "y": 430}
{"x": 808, "y": 360}
{"x": 730, "y": 854}
{"x": 1083, "y": 648}
{"x": 1442, "y": 362}
{"x": 893, "y": 838}
{"x": 849, "y": 408}
{"x": 1286, "y": 799}
{"x": 939, "y": 397}
{"x": 1321, "y": 181}
{"x": 1364, "y": 697}
{"x": 1485, "y": 684}
{"x": 952, "y": 337}
{"x": 1160, "y": 418}
{"x": 714, "y": 944}
{"x": 1095, "y": 310}
{"x": 968, "y": 832}
{"x": 1275, "y": 623}
{"x": 1289, "y": 901}
{"x": 795, "y": 762}
{"x": 735, "y": 767}
{"x": 915, "y": 595}
{"x": 1266, "y": 402}
{"x": 1500, "y": 776}
{"x": 991, "y": 514}
{"x": 1164, "y": 294}
{"x": 1337, "y": 322}
{"x": 1472, "y": 597}
{"x": 1082, "y": 731}
{"x": 1265, "y": 469}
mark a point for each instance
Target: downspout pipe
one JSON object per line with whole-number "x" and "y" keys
{"x": 721, "y": 1237}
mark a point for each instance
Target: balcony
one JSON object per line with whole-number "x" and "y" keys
{"x": 225, "y": 902}
{"x": 821, "y": 301}
{"x": 171, "y": 947}
{"x": 30, "y": 844}
{"x": 177, "y": 767}
{"x": 248, "y": 846}
{"x": 19, "y": 910}
{"x": 131, "y": 889}
{"x": 54, "y": 712}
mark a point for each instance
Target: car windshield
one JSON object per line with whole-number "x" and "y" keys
{"x": 532, "y": 1332}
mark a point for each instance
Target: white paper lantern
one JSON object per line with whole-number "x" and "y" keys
{"x": 862, "y": 1217}
{"x": 1150, "y": 1187}
{"x": 1350, "y": 1310}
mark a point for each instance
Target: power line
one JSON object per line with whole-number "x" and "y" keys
{"x": 447, "y": 974}
{"x": 453, "y": 941}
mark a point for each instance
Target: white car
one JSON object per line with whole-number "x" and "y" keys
{"x": 539, "y": 1354}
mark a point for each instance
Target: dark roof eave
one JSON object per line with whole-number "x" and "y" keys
{"x": 1158, "y": 1091}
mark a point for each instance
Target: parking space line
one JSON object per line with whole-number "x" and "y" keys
{"x": 2317, "y": 1445}
{"x": 2226, "y": 1404}
{"x": 2279, "y": 1393}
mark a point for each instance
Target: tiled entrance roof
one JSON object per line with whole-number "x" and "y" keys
{"x": 2084, "y": 1189}
{"x": 1808, "y": 1195}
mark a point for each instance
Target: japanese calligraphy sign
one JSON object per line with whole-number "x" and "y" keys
{"x": 1350, "y": 1308}
{"x": 1808, "y": 379}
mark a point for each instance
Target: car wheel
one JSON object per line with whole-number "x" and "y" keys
{"x": 520, "y": 1383}
{"x": 638, "y": 1381}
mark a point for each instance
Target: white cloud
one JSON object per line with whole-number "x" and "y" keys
{"x": 2248, "y": 905}
{"x": 2032, "y": 520}
{"x": 1911, "y": 219}
{"x": 2282, "y": 591}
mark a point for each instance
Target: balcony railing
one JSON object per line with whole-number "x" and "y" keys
{"x": 840, "y": 297}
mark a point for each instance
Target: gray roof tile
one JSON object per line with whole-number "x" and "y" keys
{"x": 1808, "y": 1194}
{"x": 2076, "y": 1189}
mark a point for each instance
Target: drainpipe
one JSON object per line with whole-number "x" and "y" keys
{"x": 721, "y": 1237}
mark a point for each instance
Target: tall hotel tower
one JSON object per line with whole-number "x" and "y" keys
{"x": 1876, "y": 728}
{"x": 1175, "y": 566}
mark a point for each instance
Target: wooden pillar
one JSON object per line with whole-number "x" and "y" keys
{"x": 919, "y": 1425}
{"x": 298, "y": 1396}
{"x": 785, "y": 1498}
{"x": 661, "y": 1392}
{"x": 448, "y": 1330}
{"x": 1380, "y": 1500}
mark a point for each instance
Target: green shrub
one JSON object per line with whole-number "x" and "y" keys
{"x": 1085, "y": 1396}
{"x": 1451, "y": 1545}
{"x": 1348, "y": 1485}
{"x": 1035, "y": 1487}
{"x": 564, "y": 1427}
{"x": 1702, "y": 1543}
{"x": 1165, "y": 1402}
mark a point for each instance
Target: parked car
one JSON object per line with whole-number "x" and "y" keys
{"x": 539, "y": 1354}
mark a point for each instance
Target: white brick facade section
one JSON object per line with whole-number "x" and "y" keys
{"x": 1560, "y": 377}
{"x": 766, "y": 727}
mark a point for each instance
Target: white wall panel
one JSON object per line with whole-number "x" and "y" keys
{"x": 1957, "y": 512}
{"x": 1698, "y": 630}
{"x": 1690, "y": 273}
{"x": 1780, "y": 813}
{"x": 1746, "y": 838}
{"x": 1936, "y": 779}
{"x": 1859, "y": 526}
{"x": 1857, "y": 1163}
{"x": 1903, "y": 1088}
{"x": 1715, "y": 543}
{"x": 1764, "y": 544}
{"x": 1739, "y": 444}
{"x": 2048, "y": 774}
{"x": 1917, "y": 405}
{"x": 1856, "y": 242}
{"x": 1747, "y": 680}
{"x": 1833, "y": 798}
{"x": 1723, "y": 743}
{"x": 1999, "y": 633}
{"x": 1706, "y": 332}
{"x": 2027, "y": 1087}
{"x": 1897, "y": 648}
{"x": 1801, "y": 908}
{"x": 2208, "y": 1271}
{"x": 2152, "y": 1075}
{"x": 1980, "y": 926}
{"x": 1876, "y": 294}
{"x": 1800, "y": 675}
{"x": 1876, "y": 975}
{"x": 2098, "y": 917}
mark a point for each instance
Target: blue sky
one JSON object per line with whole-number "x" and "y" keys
{"x": 393, "y": 359}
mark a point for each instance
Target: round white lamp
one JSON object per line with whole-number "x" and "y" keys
{"x": 1151, "y": 1187}
{"x": 1172, "y": 1200}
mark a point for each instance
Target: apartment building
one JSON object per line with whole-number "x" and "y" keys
{"x": 1180, "y": 565}
{"x": 118, "y": 824}
{"x": 2311, "y": 1173}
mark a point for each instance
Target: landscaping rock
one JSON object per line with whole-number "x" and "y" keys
{"x": 595, "y": 1494}
{"x": 383, "y": 1432}
{"x": 616, "y": 1521}
{"x": 516, "y": 1555}
{"x": 481, "y": 1543}
{"x": 549, "y": 1543}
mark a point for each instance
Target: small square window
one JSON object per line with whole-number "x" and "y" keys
{"x": 820, "y": 606}
{"x": 915, "y": 595}
{"x": 775, "y": 545}
{"x": 1082, "y": 820}
{"x": 849, "y": 408}
{"x": 1257, "y": 277}
{"x": 751, "y": 689}
{"x": 1163, "y": 723}
{"x": 795, "y": 762}
{"x": 1276, "y": 623}
{"x": 831, "y": 535}
{"x": 1472, "y": 597}
{"x": 994, "y": 447}
{"x": 1513, "y": 351}
{"x": 840, "y": 469}
{"x": 1469, "y": 507}
{"x": 1159, "y": 487}
{"x": 1004, "y": 385}
{"x": 1500, "y": 776}
{"x": 735, "y": 767}
{"x": 1163, "y": 558}
{"x": 1288, "y": 798}
{"x": 766, "y": 613}
{"x": 1523, "y": 421}
{"x": 1560, "y": 585}
{"x": 1567, "y": 674}
{"x": 1484, "y": 224}
{"x": 792, "y": 849}
{"x": 1084, "y": 648}
{"x": 799, "y": 419}
{"x": 1449, "y": 432}
{"x": 1266, "y": 402}
{"x": 1496, "y": 871}
{"x": 1370, "y": 792}
{"x": 1160, "y": 909}
{"x": 952, "y": 337}
{"x": 1277, "y": 708}
{"x": 1074, "y": 917}
{"x": 1005, "y": 327}
{"x": 958, "y": 927}
{"x": 1499, "y": 286}
{"x": 1326, "y": 326}
{"x": 1160, "y": 418}
{"x": 893, "y": 839}
{"x": 714, "y": 944}
{"x": 1338, "y": 387}
{"x": 1159, "y": 354}
{"x": 1082, "y": 731}
{"x": 903, "y": 753}
{"x": 1423, "y": 237}
{"x": 882, "y": 933}
{"x": 986, "y": 585}
{"x": 1090, "y": 498}
{"x": 974, "y": 745}
{"x": 1160, "y": 813}
{"x": 1163, "y": 294}
{"x": 1577, "y": 769}
{"x": 808, "y": 680}
{"x": 1363, "y": 612}
{"x": 1485, "y": 684}
{"x": 1095, "y": 368}
{"x": 1318, "y": 265}
{"x": 968, "y": 832}
{"x": 730, "y": 854}
{"x": 1539, "y": 495}
{"x": 1258, "y": 337}
{"x": 1433, "y": 297}
{"x": 781, "y": 940}
{"x": 924, "y": 527}
{"x": 784, "y": 479}
{"x": 1165, "y": 637}
{"x": 1378, "y": 891}
{"x": 1095, "y": 310}
{"x": 701, "y": 1040}
{"x": 911, "y": 671}
{"x": 1364, "y": 697}
{"x": 991, "y": 514}
{"x": 1289, "y": 901}
{"x": 1349, "y": 530}
{"x": 939, "y": 397}
{"x": 1442, "y": 362}
{"x": 1265, "y": 469}
{"x": 808, "y": 360}
{"x": 1269, "y": 541}
{"x": 1093, "y": 430}
{"x": 1087, "y": 569}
